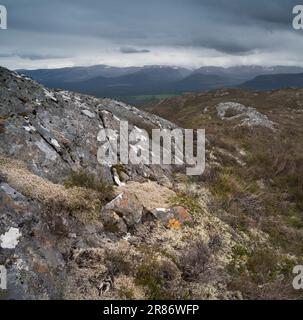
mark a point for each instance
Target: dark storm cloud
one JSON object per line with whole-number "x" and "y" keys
{"x": 129, "y": 50}
{"x": 31, "y": 56}
{"x": 269, "y": 11}
{"x": 233, "y": 27}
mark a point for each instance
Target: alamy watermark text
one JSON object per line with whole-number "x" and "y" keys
{"x": 297, "y": 22}
{"x": 167, "y": 147}
{"x": 3, "y": 17}
{"x": 3, "y": 278}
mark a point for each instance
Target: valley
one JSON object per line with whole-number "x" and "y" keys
{"x": 139, "y": 85}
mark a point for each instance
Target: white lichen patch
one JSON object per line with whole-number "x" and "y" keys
{"x": 50, "y": 95}
{"x": 88, "y": 113}
{"x": 117, "y": 178}
{"x": 21, "y": 265}
{"x": 248, "y": 116}
{"x": 49, "y": 153}
{"x": 29, "y": 128}
{"x": 65, "y": 95}
{"x": 116, "y": 118}
{"x": 55, "y": 143}
{"x": 9, "y": 240}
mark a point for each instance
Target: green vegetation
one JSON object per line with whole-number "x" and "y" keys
{"x": 226, "y": 185}
{"x": 152, "y": 97}
{"x": 149, "y": 276}
{"x": 252, "y": 270}
{"x": 158, "y": 274}
{"x": 118, "y": 262}
{"x": 89, "y": 181}
{"x": 189, "y": 202}
{"x": 126, "y": 293}
{"x": 144, "y": 99}
{"x": 111, "y": 227}
{"x": 260, "y": 195}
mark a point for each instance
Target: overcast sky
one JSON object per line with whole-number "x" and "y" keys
{"x": 192, "y": 33}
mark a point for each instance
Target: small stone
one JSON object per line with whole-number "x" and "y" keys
{"x": 162, "y": 214}
{"x": 88, "y": 113}
{"x": 175, "y": 213}
{"x": 123, "y": 176}
{"x": 181, "y": 214}
{"x": 127, "y": 206}
{"x": 116, "y": 178}
{"x": 112, "y": 222}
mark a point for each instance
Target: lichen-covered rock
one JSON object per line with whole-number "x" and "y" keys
{"x": 68, "y": 243}
{"x": 128, "y": 207}
{"x": 55, "y": 132}
{"x": 44, "y": 136}
{"x": 150, "y": 194}
{"x": 248, "y": 116}
{"x": 113, "y": 222}
{"x": 162, "y": 214}
{"x": 179, "y": 215}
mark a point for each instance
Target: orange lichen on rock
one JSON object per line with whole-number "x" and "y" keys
{"x": 174, "y": 224}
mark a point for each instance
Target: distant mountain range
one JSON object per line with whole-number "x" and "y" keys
{"x": 148, "y": 82}
{"x": 274, "y": 81}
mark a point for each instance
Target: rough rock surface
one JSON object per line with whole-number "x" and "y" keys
{"x": 55, "y": 132}
{"x": 167, "y": 216}
{"x": 248, "y": 116}
{"x": 65, "y": 243}
{"x": 128, "y": 207}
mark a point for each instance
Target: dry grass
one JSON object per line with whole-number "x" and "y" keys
{"x": 2, "y": 125}
{"x": 52, "y": 195}
{"x": 264, "y": 194}
{"x": 89, "y": 181}
{"x": 150, "y": 194}
{"x": 267, "y": 192}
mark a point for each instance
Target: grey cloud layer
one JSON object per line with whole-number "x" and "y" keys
{"x": 234, "y": 27}
{"x": 128, "y": 50}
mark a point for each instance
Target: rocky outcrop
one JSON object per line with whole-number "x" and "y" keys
{"x": 127, "y": 206}
{"x": 55, "y": 132}
{"x": 248, "y": 116}
{"x": 81, "y": 239}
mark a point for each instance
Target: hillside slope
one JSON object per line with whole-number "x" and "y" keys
{"x": 255, "y": 172}
{"x": 73, "y": 229}
{"x": 273, "y": 82}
